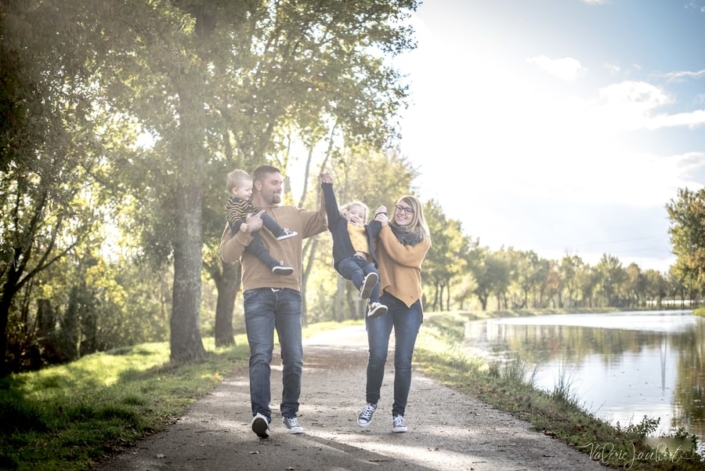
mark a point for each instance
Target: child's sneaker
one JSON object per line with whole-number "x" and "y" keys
{"x": 282, "y": 269}
{"x": 376, "y": 310}
{"x": 286, "y": 233}
{"x": 260, "y": 425}
{"x": 368, "y": 285}
{"x": 365, "y": 417}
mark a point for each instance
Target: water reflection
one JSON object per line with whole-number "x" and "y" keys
{"x": 621, "y": 366}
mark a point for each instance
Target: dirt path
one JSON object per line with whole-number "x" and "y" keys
{"x": 447, "y": 430}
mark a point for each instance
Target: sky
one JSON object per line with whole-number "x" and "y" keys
{"x": 559, "y": 126}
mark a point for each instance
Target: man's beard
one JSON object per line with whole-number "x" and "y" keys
{"x": 276, "y": 198}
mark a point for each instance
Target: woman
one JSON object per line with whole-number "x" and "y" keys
{"x": 401, "y": 248}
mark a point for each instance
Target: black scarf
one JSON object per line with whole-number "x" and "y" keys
{"x": 404, "y": 235}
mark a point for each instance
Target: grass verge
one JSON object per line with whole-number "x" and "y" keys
{"x": 555, "y": 413}
{"x": 71, "y": 417}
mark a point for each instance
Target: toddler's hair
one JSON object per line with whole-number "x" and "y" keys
{"x": 344, "y": 209}
{"x": 236, "y": 178}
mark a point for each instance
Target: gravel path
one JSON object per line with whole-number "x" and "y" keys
{"x": 447, "y": 430}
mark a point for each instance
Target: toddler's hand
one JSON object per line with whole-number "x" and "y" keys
{"x": 254, "y": 222}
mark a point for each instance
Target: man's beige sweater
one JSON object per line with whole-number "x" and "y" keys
{"x": 256, "y": 274}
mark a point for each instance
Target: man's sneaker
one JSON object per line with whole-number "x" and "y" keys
{"x": 286, "y": 233}
{"x": 282, "y": 270}
{"x": 260, "y": 425}
{"x": 368, "y": 285}
{"x": 292, "y": 425}
{"x": 398, "y": 424}
{"x": 376, "y": 310}
{"x": 365, "y": 417}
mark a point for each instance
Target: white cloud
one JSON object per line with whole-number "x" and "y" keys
{"x": 692, "y": 120}
{"x": 684, "y": 75}
{"x": 628, "y": 106}
{"x": 567, "y": 68}
{"x": 596, "y": 2}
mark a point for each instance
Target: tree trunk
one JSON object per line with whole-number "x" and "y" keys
{"x": 187, "y": 149}
{"x": 186, "y": 343}
{"x": 228, "y": 285}
{"x": 9, "y": 290}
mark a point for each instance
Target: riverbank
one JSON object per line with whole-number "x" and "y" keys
{"x": 556, "y": 412}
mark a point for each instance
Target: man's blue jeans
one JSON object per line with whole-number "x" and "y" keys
{"x": 406, "y": 322}
{"x": 267, "y": 309}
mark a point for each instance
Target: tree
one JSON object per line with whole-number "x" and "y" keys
{"x": 447, "y": 257}
{"x": 635, "y": 285}
{"x": 569, "y": 268}
{"x": 686, "y": 213}
{"x": 491, "y": 273}
{"x": 53, "y": 142}
{"x": 611, "y": 278}
{"x": 656, "y": 286}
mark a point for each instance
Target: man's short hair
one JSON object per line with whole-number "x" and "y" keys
{"x": 263, "y": 170}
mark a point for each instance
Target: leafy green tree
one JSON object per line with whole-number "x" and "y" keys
{"x": 588, "y": 279}
{"x": 553, "y": 286}
{"x": 686, "y": 213}
{"x": 524, "y": 264}
{"x": 656, "y": 286}
{"x": 447, "y": 258}
{"x": 540, "y": 272}
{"x": 612, "y": 277}
{"x": 635, "y": 285}
{"x": 491, "y": 273}
{"x": 54, "y": 139}
{"x": 569, "y": 268}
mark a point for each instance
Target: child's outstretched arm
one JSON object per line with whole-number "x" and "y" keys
{"x": 332, "y": 210}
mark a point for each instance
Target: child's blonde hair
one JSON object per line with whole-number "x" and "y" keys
{"x": 344, "y": 209}
{"x": 237, "y": 178}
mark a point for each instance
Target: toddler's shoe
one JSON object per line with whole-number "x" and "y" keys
{"x": 376, "y": 310}
{"x": 286, "y": 233}
{"x": 282, "y": 269}
{"x": 368, "y": 285}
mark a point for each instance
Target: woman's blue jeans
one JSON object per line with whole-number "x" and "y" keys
{"x": 267, "y": 309}
{"x": 406, "y": 322}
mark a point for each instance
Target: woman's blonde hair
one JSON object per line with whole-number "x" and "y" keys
{"x": 418, "y": 222}
{"x": 344, "y": 210}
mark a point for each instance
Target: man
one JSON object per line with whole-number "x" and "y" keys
{"x": 272, "y": 301}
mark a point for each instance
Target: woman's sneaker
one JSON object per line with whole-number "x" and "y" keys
{"x": 292, "y": 425}
{"x": 398, "y": 424}
{"x": 376, "y": 310}
{"x": 286, "y": 233}
{"x": 365, "y": 417}
{"x": 260, "y": 425}
{"x": 368, "y": 284}
{"x": 282, "y": 270}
